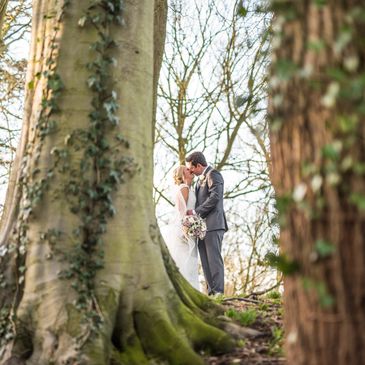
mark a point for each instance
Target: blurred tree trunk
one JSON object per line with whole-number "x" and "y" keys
{"x": 121, "y": 299}
{"x": 317, "y": 145}
{"x": 3, "y": 5}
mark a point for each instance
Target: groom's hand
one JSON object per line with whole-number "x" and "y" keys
{"x": 190, "y": 212}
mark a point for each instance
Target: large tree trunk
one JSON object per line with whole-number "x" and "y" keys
{"x": 317, "y": 144}
{"x": 120, "y": 298}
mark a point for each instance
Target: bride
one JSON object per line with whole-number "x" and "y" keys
{"x": 183, "y": 249}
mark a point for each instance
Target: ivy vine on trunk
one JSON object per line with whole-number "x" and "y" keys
{"x": 98, "y": 285}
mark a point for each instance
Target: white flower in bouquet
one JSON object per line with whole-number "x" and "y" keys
{"x": 194, "y": 226}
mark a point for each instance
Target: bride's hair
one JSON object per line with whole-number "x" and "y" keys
{"x": 178, "y": 175}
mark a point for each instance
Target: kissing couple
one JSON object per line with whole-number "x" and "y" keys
{"x": 206, "y": 201}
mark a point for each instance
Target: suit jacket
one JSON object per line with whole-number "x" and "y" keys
{"x": 209, "y": 199}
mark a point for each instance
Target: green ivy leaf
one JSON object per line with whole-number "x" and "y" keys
{"x": 348, "y": 123}
{"x": 330, "y": 151}
{"x": 336, "y": 74}
{"x": 358, "y": 200}
{"x": 325, "y": 299}
{"x": 242, "y": 11}
{"x": 282, "y": 263}
{"x": 359, "y": 168}
{"x": 55, "y": 83}
{"x": 282, "y": 203}
{"x": 317, "y": 45}
{"x": 285, "y": 69}
{"x": 324, "y": 248}
{"x": 320, "y": 3}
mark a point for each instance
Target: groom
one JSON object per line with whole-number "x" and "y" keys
{"x": 209, "y": 205}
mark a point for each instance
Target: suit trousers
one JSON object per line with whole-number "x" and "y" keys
{"x": 210, "y": 249}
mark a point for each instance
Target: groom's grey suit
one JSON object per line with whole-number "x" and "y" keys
{"x": 209, "y": 205}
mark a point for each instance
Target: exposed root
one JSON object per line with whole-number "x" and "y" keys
{"x": 170, "y": 330}
{"x": 203, "y": 335}
{"x": 162, "y": 340}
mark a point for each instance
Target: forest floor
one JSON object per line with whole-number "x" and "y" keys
{"x": 262, "y": 314}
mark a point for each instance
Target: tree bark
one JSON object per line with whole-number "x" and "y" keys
{"x": 148, "y": 312}
{"x": 3, "y": 5}
{"x": 317, "y": 146}
{"x": 159, "y": 30}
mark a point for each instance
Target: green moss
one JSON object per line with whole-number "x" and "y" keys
{"x": 73, "y": 327}
{"x": 203, "y": 335}
{"x": 199, "y": 303}
{"x": 95, "y": 351}
{"x": 164, "y": 342}
{"x": 109, "y": 301}
{"x": 132, "y": 355}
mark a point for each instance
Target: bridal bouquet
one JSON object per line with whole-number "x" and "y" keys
{"x": 194, "y": 226}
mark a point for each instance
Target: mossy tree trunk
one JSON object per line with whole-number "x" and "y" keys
{"x": 86, "y": 277}
{"x": 317, "y": 144}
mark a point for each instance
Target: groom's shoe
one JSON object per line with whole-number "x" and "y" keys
{"x": 216, "y": 295}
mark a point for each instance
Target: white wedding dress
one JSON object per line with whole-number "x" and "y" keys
{"x": 183, "y": 249}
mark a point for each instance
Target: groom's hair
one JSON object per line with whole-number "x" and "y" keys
{"x": 197, "y": 157}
